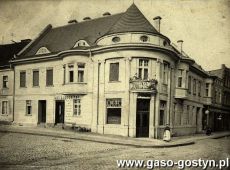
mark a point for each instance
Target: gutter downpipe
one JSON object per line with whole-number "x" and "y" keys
{"x": 13, "y": 95}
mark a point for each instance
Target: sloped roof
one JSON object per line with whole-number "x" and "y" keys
{"x": 218, "y": 73}
{"x": 7, "y": 52}
{"x": 132, "y": 20}
{"x": 64, "y": 37}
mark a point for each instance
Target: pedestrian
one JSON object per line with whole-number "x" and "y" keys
{"x": 167, "y": 134}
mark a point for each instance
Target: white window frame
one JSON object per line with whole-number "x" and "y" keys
{"x": 80, "y": 68}
{"x": 5, "y": 81}
{"x": 4, "y": 110}
{"x": 143, "y": 64}
{"x": 77, "y": 106}
{"x": 29, "y": 106}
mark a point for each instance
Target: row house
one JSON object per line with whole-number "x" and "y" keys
{"x": 116, "y": 74}
{"x": 7, "y": 52}
{"x": 218, "y": 106}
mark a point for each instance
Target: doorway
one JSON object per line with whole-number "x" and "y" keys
{"x": 142, "y": 118}
{"x": 41, "y": 111}
{"x": 59, "y": 111}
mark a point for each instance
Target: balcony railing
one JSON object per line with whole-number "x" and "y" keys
{"x": 143, "y": 85}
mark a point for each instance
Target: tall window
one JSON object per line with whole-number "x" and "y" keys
{"x": 199, "y": 88}
{"x": 5, "y": 81}
{"x": 162, "y": 112}
{"x": 206, "y": 89}
{"x": 4, "y": 107}
{"x": 28, "y": 107}
{"x": 114, "y": 72}
{"x": 23, "y": 79}
{"x": 77, "y": 106}
{"x": 179, "y": 83}
{"x": 194, "y": 86}
{"x": 165, "y": 73}
{"x": 49, "y": 77}
{"x": 113, "y": 107}
{"x": 143, "y": 69}
{"x": 35, "y": 78}
{"x": 80, "y": 74}
{"x": 71, "y": 73}
{"x": 189, "y": 85}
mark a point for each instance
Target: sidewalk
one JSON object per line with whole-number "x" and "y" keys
{"x": 110, "y": 139}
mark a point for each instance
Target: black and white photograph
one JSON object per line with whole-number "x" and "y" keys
{"x": 114, "y": 84}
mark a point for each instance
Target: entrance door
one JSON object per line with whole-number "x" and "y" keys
{"x": 42, "y": 111}
{"x": 142, "y": 119}
{"x": 59, "y": 111}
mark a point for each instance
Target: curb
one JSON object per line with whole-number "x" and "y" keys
{"x": 100, "y": 141}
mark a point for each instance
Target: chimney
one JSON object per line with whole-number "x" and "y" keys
{"x": 73, "y": 21}
{"x": 106, "y": 14}
{"x": 223, "y": 66}
{"x": 180, "y": 43}
{"x": 157, "y": 19}
{"x": 86, "y": 18}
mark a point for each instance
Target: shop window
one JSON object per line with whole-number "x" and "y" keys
{"x": 143, "y": 69}
{"x": 80, "y": 74}
{"x": 77, "y": 106}
{"x": 49, "y": 77}
{"x": 179, "y": 82}
{"x": 114, "y": 72}
{"x": 162, "y": 112}
{"x": 71, "y": 73}
{"x": 22, "y": 79}
{"x": 4, "y": 107}
{"x": 5, "y": 81}
{"x": 113, "y": 107}
{"x": 35, "y": 78}
{"x": 28, "y": 107}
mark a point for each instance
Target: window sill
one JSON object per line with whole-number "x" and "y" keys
{"x": 22, "y": 87}
{"x": 28, "y": 115}
{"x": 49, "y": 85}
{"x": 78, "y": 116}
{"x": 5, "y": 114}
{"x": 114, "y": 81}
{"x": 75, "y": 83}
{"x": 5, "y": 88}
{"x": 36, "y": 86}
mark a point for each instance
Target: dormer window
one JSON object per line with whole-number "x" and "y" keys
{"x": 144, "y": 38}
{"x": 165, "y": 43}
{"x": 81, "y": 43}
{"x": 116, "y": 39}
{"x": 43, "y": 50}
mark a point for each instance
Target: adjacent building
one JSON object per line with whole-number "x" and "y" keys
{"x": 7, "y": 52}
{"x": 116, "y": 74}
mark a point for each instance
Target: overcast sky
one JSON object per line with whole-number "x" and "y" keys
{"x": 204, "y": 25}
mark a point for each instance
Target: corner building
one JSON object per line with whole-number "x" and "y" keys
{"x": 114, "y": 75}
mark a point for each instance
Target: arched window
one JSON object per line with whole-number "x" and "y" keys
{"x": 43, "y": 50}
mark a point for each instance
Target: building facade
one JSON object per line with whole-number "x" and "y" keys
{"x": 7, "y": 52}
{"x": 114, "y": 75}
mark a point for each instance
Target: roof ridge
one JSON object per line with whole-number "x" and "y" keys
{"x": 84, "y": 21}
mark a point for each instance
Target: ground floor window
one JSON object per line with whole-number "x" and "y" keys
{"x": 113, "y": 108}
{"x": 162, "y": 112}
{"x": 4, "y": 107}
{"x": 77, "y": 106}
{"x": 28, "y": 107}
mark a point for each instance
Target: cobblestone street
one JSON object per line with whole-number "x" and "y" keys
{"x": 20, "y": 151}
